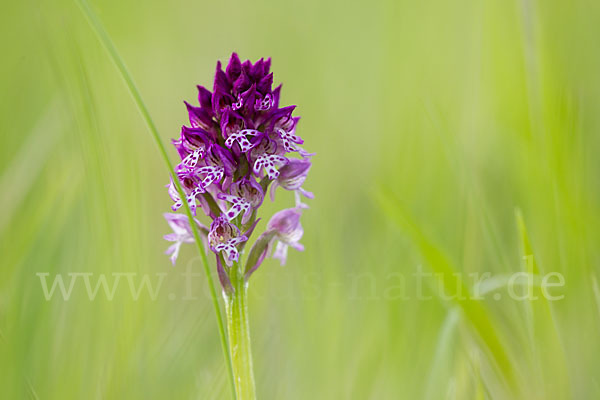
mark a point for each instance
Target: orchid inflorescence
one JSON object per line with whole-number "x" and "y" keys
{"x": 239, "y": 143}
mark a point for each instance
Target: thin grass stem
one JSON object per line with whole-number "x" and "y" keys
{"x": 98, "y": 28}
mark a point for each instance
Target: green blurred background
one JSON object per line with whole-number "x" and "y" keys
{"x": 433, "y": 121}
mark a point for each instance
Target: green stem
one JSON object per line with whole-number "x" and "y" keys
{"x": 116, "y": 58}
{"x": 236, "y": 305}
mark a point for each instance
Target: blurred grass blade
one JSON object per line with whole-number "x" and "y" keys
{"x": 479, "y": 384}
{"x": 127, "y": 77}
{"x": 496, "y": 282}
{"x": 540, "y": 317}
{"x": 32, "y": 391}
{"x": 474, "y": 312}
{"x": 27, "y": 164}
{"x": 526, "y": 251}
{"x": 443, "y": 352}
{"x": 596, "y": 290}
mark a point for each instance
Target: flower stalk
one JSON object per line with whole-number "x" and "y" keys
{"x": 238, "y": 328}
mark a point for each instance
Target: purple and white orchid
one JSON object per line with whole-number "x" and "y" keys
{"x": 287, "y": 232}
{"x": 182, "y": 233}
{"x": 238, "y": 143}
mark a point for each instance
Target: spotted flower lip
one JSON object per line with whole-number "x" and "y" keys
{"x": 246, "y": 195}
{"x": 239, "y": 140}
{"x": 224, "y": 237}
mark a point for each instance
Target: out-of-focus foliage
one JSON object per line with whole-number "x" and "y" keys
{"x": 433, "y": 123}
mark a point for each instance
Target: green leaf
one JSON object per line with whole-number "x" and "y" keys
{"x": 474, "y": 311}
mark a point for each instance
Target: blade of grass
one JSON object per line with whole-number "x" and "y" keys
{"x": 541, "y": 311}
{"x": 526, "y": 250}
{"x": 596, "y": 290}
{"x": 530, "y": 267}
{"x": 28, "y": 163}
{"x": 98, "y": 28}
{"x": 479, "y": 384}
{"x": 443, "y": 351}
{"x": 443, "y": 268}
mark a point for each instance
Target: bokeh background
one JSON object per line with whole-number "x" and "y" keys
{"x": 452, "y": 136}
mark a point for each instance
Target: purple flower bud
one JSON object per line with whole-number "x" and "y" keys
{"x": 222, "y": 83}
{"x": 205, "y": 99}
{"x": 241, "y": 83}
{"x": 200, "y": 117}
{"x": 234, "y": 67}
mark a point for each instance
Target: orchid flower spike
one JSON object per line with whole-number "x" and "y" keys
{"x": 238, "y": 142}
